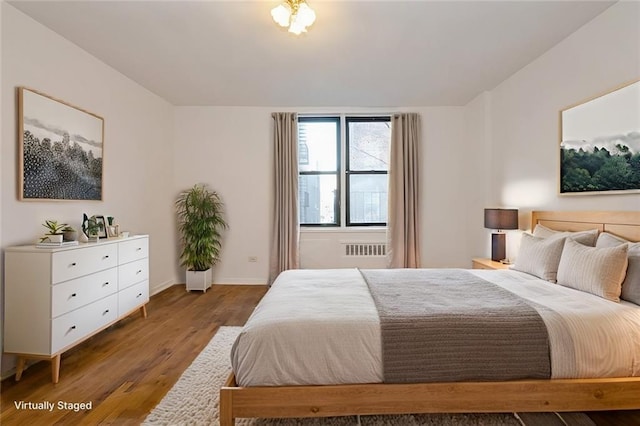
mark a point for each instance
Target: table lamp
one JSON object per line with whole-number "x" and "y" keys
{"x": 499, "y": 220}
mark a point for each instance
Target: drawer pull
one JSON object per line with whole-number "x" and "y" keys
{"x": 106, "y": 256}
{"x": 106, "y": 283}
{"x": 139, "y": 294}
{"x": 139, "y": 248}
{"x": 73, "y": 327}
{"x": 105, "y": 312}
{"x": 139, "y": 271}
{"x": 74, "y": 264}
{"x": 73, "y": 294}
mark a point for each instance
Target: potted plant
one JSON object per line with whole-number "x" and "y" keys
{"x": 200, "y": 222}
{"x": 69, "y": 234}
{"x": 55, "y": 231}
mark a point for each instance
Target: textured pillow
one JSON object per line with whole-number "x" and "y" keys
{"x": 631, "y": 283}
{"x": 606, "y": 239}
{"x": 588, "y": 238}
{"x": 599, "y": 271}
{"x": 539, "y": 256}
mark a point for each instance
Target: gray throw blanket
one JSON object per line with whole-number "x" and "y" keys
{"x": 445, "y": 325}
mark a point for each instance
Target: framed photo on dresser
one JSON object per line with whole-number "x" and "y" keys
{"x": 103, "y": 227}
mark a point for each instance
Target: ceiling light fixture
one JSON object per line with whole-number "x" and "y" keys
{"x": 295, "y": 14}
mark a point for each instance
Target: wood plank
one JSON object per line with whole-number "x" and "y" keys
{"x": 470, "y": 397}
{"x": 630, "y": 232}
{"x": 625, "y": 224}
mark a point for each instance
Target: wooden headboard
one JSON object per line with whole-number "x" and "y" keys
{"x": 625, "y": 224}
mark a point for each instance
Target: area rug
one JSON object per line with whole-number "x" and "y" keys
{"x": 193, "y": 400}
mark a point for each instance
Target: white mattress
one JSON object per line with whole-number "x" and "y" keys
{"x": 322, "y": 327}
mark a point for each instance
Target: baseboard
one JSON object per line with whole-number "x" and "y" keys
{"x": 240, "y": 281}
{"x": 163, "y": 286}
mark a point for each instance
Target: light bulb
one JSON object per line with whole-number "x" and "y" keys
{"x": 306, "y": 15}
{"x": 281, "y": 14}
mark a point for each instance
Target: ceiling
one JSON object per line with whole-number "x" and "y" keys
{"x": 358, "y": 53}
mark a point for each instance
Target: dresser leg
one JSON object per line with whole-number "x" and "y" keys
{"x": 55, "y": 368}
{"x": 143, "y": 311}
{"x": 20, "y": 367}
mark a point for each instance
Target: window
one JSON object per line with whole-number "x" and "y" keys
{"x": 319, "y": 168}
{"x": 359, "y": 183}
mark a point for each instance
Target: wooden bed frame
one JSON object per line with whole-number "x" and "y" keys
{"x": 458, "y": 397}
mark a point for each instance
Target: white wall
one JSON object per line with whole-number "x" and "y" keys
{"x": 229, "y": 149}
{"x": 597, "y": 58}
{"x": 479, "y": 161}
{"x": 137, "y": 151}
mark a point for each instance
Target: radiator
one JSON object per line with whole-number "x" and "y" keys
{"x": 365, "y": 249}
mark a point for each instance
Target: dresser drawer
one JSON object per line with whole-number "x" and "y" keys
{"x": 71, "y": 264}
{"x": 133, "y": 297}
{"x": 132, "y": 273}
{"x": 135, "y": 249}
{"x": 73, "y": 326}
{"x": 73, "y": 294}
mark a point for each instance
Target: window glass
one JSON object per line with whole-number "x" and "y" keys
{"x": 317, "y": 199}
{"x": 369, "y": 145}
{"x": 318, "y": 146}
{"x": 368, "y": 198}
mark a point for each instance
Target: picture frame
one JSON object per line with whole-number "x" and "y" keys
{"x": 600, "y": 144}
{"x": 103, "y": 229}
{"x": 112, "y": 231}
{"x": 60, "y": 149}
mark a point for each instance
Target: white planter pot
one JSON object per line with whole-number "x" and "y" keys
{"x": 199, "y": 280}
{"x": 53, "y": 238}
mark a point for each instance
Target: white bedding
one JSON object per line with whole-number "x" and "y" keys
{"x": 322, "y": 327}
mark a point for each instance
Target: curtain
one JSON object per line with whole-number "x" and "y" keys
{"x": 403, "y": 230}
{"x": 285, "y": 231}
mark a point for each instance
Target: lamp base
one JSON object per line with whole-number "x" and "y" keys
{"x": 498, "y": 247}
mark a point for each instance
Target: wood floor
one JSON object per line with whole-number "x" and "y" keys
{"x": 127, "y": 369}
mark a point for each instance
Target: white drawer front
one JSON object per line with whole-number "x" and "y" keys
{"x": 133, "y": 297}
{"x": 82, "y": 322}
{"x": 135, "y": 249}
{"x": 73, "y": 294}
{"x": 71, "y": 264}
{"x": 132, "y": 273}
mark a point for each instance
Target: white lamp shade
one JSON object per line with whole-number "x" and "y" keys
{"x": 306, "y": 15}
{"x": 281, "y": 15}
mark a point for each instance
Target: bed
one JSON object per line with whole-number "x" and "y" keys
{"x": 320, "y": 396}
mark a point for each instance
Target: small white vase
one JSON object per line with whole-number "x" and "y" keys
{"x": 52, "y": 238}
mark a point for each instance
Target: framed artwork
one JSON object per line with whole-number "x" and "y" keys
{"x": 102, "y": 233}
{"x": 112, "y": 231}
{"x": 60, "y": 149}
{"x": 600, "y": 144}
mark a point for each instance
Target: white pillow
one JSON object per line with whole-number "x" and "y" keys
{"x": 631, "y": 283}
{"x": 588, "y": 238}
{"x": 598, "y": 271}
{"x": 606, "y": 239}
{"x": 539, "y": 256}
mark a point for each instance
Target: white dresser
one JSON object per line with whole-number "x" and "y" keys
{"x": 54, "y": 298}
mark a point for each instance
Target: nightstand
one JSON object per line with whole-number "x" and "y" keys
{"x": 482, "y": 263}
